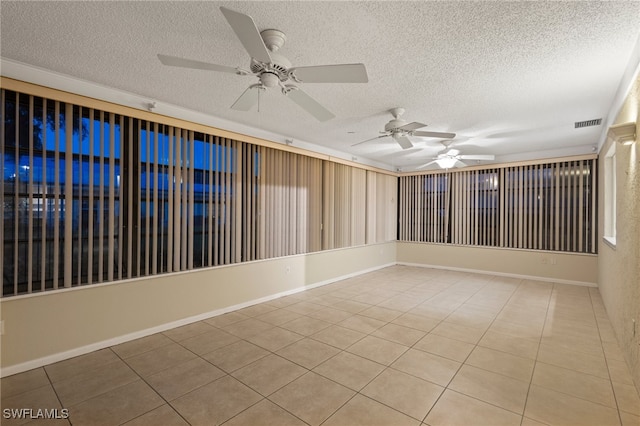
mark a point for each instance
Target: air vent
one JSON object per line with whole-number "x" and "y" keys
{"x": 588, "y": 123}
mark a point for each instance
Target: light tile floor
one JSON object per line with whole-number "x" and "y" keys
{"x": 398, "y": 346}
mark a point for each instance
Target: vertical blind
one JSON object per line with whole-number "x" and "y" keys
{"x": 345, "y": 197}
{"x": 92, "y": 196}
{"x": 382, "y": 207}
{"x": 290, "y": 199}
{"x": 549, "y": 206}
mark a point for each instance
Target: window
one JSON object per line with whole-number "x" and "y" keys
{"x": 547, "y": 206}
{"x": 47, "y": 165}
{"x": 610, "y": 195}
{"x": 92, "y": 196}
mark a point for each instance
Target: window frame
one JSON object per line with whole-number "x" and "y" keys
{"x": 610, "y": 198}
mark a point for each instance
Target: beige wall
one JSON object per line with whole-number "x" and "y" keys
{"x": 44, "y": 328}
{"x": 549, "y": 266}
{"x": 619, "y": 272}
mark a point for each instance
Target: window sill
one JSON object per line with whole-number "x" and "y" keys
{"x": 611, "y": 241}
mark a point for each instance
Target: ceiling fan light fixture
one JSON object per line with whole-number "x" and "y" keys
{"x": 269, "y": 80}
{"x": 446, "y": 162}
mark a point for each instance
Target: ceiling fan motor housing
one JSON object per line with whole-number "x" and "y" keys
{"x": 394, "y": 124}
{"x": 279, "y": 67}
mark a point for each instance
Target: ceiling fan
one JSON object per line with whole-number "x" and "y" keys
{"x": 400, "y": 131}
{"x": 273, "y": 69}
{"x": 452, "y": 157}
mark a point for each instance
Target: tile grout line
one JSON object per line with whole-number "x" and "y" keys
{"x": 386, "y": 367}
{"x": 474, "y": 348}
{"x": 538, "y": 351}
{"x": 152, "y": 388}
{"x": 461, "y": 363}
{"x": 358, "y": 392}
{"x": 308, "y": 370}
{"x": 56, "y": 393}
{"x": 606, "y": 361}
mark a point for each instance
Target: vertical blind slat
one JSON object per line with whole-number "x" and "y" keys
{"x": 170, "y": 198}
{"x": 100, "y": 224}
{"x": 68, "y": 196}
{"x": 155, "y": 203}
{"x": 90, "y": 228}
{"x": 238, "y": 194}
{"x": 191, "y": 203}
{"x": 211, "y": 202}
{"x": 56, "y": 195}
{"x": 16, "y": 198}
{"x": 79, "y": 258}
{"x": 30, "y": 253}
{"x": 147, "y": 200}
{"x": 111, "y": 254}
{"x": 2, "y": 192}
{"x": 129, "y": 205}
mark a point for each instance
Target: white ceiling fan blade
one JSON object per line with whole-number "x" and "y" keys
{"x": 411, "y": 126}
{"x": 309, "y": 104}
{"x": 247, "y": 100}
{"x": 342, "y": 73}
{"x": 426, "y": 165}
{"x": 372, "y": 139}
{"x": 477, "y": 157}
{"x": 248, "y": 33}
{"x": 442, "y": 135}
{"x": 403, "y": 141}
{"x": 174, "y": 61}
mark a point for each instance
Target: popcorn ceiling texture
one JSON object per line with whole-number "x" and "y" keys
{"x": 619, "y": 268}
{"x": 508, "y": 77}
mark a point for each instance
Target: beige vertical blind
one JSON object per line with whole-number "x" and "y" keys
{"x": 381, "y": 209}
{"x": 550, "y": 206}
{"x": 358, "y": 208}
{"x": 345, "y": 206}
{"x": 288, "y": 203}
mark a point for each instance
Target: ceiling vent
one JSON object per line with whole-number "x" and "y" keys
{"x": 588, "y": 123}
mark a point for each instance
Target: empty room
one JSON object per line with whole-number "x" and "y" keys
{"x": 320, "y": 213}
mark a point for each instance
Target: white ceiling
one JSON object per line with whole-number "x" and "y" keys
{"x": 510, "y": 78}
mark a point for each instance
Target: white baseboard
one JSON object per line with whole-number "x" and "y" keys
{"x": 502, "y": 274}
{"x": 61, "y": 356}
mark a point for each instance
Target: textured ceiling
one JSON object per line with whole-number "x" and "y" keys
{"x": 509, "y": 78}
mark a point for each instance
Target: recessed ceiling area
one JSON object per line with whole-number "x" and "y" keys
{"x": 510, "y": 79}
